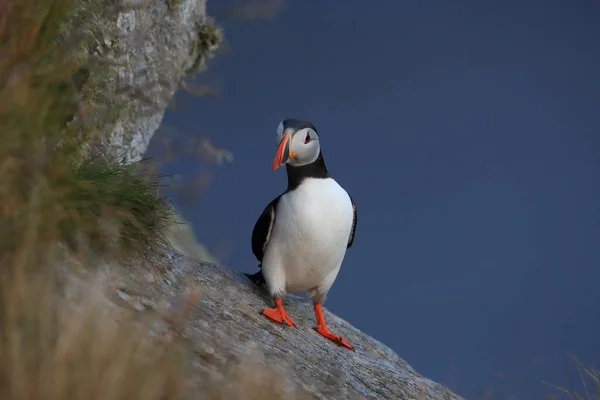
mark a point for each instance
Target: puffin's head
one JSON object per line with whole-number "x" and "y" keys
{"x": 298, "y": 143}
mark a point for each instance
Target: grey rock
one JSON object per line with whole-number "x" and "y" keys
{"x": 226, "y": 324}
{"x": 153, "y": 45}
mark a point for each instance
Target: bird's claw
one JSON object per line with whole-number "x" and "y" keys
{"x": 337, "y": 339}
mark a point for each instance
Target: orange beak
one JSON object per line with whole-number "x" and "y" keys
{"x": 283, "y": 152}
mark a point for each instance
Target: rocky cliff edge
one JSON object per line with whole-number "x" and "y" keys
{"x": 224, "y": 324}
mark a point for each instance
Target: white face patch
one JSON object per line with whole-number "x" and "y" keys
{"x": 305, "y": 146}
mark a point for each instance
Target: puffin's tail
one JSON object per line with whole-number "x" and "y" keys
{"x": 258, "y": 278}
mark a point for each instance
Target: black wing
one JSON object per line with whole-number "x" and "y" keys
{"x": 263, "y": 228}
{"x": 351, "y": 238}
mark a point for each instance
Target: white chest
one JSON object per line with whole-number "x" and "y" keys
{"x": 313, "y": 223}
{"x": 319, "y": 209}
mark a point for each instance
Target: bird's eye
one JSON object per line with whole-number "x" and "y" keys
{"x": 307, "y": 138}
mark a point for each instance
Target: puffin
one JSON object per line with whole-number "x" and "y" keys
{"x": 301, "y": 237}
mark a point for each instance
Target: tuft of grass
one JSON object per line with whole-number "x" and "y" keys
{"x": 120, "y": 207}
{"x": 208, "y": 39}
{"x": 589, "y": 380}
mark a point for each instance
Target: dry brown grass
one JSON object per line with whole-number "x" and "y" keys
{"x": 52, "y": 348}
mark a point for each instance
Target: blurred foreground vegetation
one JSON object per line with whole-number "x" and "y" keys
{"x": 62, "y": 197}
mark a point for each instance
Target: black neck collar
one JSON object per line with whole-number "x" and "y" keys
{"x": 315, "y": 169}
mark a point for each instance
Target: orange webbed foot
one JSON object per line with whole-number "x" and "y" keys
{"x": 278, "y": 314}
{"x": 323, "y": 330}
